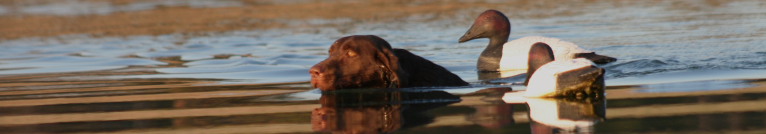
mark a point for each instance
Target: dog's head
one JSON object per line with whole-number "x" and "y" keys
{"x": 359, "y": 61}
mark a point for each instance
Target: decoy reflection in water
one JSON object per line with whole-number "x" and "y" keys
{"x": 376, "y": 111}
{"x": 494, "y": 113}
{"x": 565, "y": 115}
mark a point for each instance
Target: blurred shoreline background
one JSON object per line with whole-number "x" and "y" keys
{"x": 47, "y": 18}
{"x": 98, "y": 18}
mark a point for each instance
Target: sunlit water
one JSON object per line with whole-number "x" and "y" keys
{"x": 662, "y": 48}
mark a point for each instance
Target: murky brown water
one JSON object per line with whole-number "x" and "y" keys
{"x": 240, "y": 66}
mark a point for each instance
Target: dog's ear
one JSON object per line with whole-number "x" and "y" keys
{"x": 391, "y": 69}
{"x": 390, "y": 63}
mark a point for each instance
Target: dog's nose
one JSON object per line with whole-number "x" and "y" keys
{"x": 314, "y": 71}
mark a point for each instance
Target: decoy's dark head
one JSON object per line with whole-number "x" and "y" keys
{"x": 539, "y": 55}
{"x": 490, "y": 24}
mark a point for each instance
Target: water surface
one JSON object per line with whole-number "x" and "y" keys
{"x": 684, "y": 67}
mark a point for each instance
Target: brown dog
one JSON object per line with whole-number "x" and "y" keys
{"x": 367, "y": 61}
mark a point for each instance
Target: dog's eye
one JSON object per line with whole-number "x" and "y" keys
{"x": 351, "y": 53}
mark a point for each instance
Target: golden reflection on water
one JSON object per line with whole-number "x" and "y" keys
{"x": 78, "y": 103}
{"x": 185, "y": 107}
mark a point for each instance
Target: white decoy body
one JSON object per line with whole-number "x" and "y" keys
{"x": 548, "y": 77}
{"x": 565, "y": 78}
{"x": 501, "y": 55}
{"x": 515, "y": 52}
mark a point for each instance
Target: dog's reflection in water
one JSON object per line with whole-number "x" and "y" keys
{"x": 375, "y": 110}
